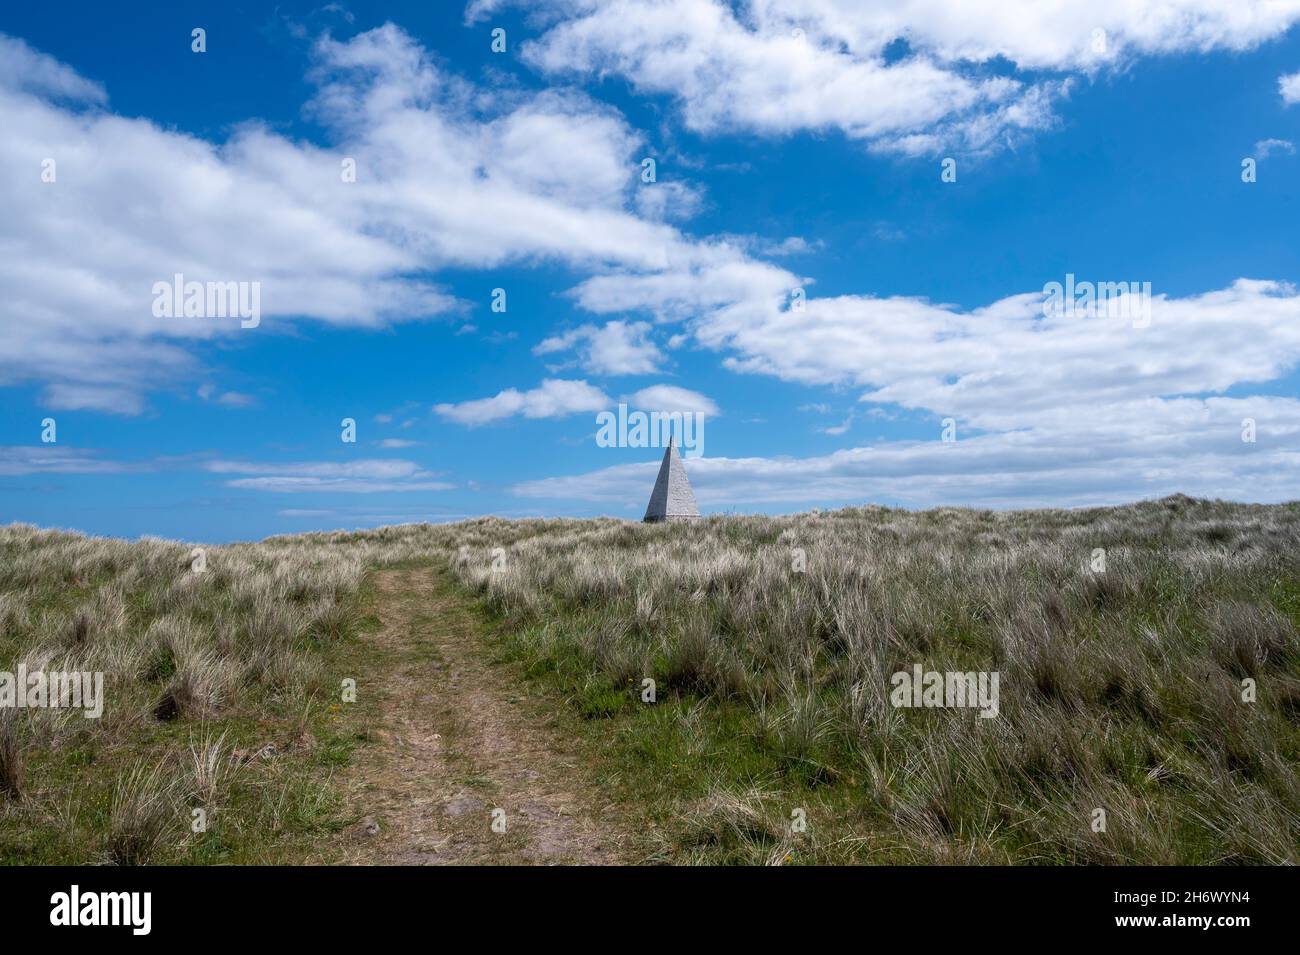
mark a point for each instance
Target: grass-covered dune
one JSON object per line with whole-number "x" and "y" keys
{"x": 201, "y": 671}
{"x": 1120, "y": 690}
{"x": 1163, "y": 690}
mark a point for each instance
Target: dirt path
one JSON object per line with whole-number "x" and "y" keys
{"x": 458, "y": 738}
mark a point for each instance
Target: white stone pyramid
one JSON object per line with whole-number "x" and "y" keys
{"x": 672, "y": 499}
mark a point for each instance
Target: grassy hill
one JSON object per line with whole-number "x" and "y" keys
{"x": 1163, "y": 690}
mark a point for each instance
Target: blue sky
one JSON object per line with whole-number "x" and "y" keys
{"x": 797, "y": 143}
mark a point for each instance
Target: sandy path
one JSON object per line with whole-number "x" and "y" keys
{"x": 457, "y": 738}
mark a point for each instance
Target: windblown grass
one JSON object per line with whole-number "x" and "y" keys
{"x": 1121, "y": 690}
{"x": 239, "y": 646}
{"x": 771, "y": 643}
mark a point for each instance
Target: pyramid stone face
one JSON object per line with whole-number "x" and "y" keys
{"x": 672, "y": 498}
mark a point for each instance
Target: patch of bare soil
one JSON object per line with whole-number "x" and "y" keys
{"x": 467, "y": 765}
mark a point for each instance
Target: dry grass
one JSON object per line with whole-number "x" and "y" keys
{"x": 141, "y": 818}
{"x": 12, "y": 760}
{"x": 238, "y": 645}
{"x": 1120, "y": 690}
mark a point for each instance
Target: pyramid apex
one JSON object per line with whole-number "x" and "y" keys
{"x": 672, "y": 498}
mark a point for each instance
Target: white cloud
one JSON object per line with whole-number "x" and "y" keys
{"x": 478, "y": 10}
{"x": 20, "y": 459}
{"x": 230, "y": 399}
{"x": 669, "y": 201}
{"x": 365, "y": 476}
{"x": 1289, "y": 87}
{"x": 1266, "y": 147}
{"x": 529, "y": 177}
{"x": 1049, "y": 409}
{"x": 835, "y": 430}
{"x": 22, "y": 68}
{"x": 392, "y": 443}
{"x": 707, "y": 276}
{"x": 780, "y": 66}
{"x": 792, "y": 245}
{"x": 1036, "y": 35}
{"x": 670, "y": 398}
{"x": 118, "y": 397}
{"x": 522, "y": 177}
{"x": 554, "y": 398}
{"x": 729, "y": 74}
{"x": 616, "y": 348}
{"x": 1189, "y": 445}
{"x": 372, "y": 516}
{"x": 1023, "y": 379}
{"x": 1006, "y": 365}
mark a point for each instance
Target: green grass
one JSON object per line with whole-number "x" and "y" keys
{"x": 273, "y": 811}
{"x": 1120, "y": 691}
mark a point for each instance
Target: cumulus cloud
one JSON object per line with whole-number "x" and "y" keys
{"x": 31, "y": 71}
{"x": 670, "y": 398}
{"x": 1008, "y": 363}
{"x": 1289, "y": 87}
{"x": 366, "y": 476}
{"x": 556, "y": 398}
{"x": 791, "y": 245}
{"x": 780, "y": 66}
{"x": 669, "y": 201}
{"x": 1050, "y": 408}
{"x": 712, "y": 274}
{"x": 553, "y": 398}
{"x": 616, "y": 348}
{"x": 521, "y": 178}
{"x": 1082, "y": 407}
{"x": 1192, "y": 446}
